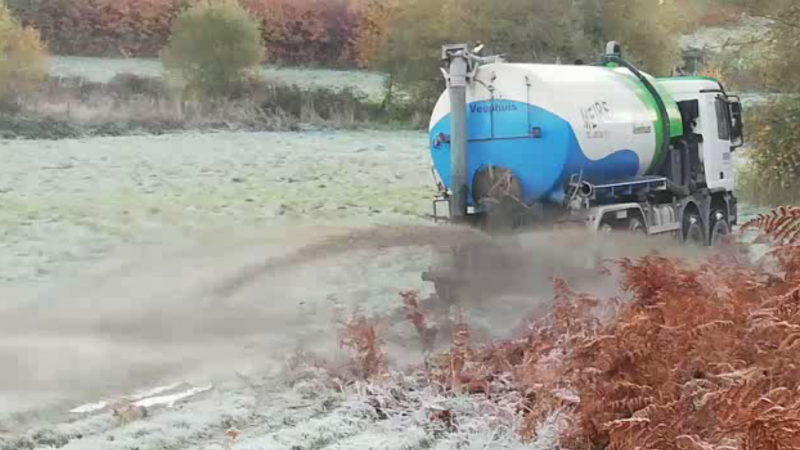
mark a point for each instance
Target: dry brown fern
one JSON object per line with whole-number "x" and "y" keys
{"x": 418, "y": 318}
{"x": 361, "y": 336}
{"x": 776, "y": 429}
{"x": 782, "y": 224}
{"x": 702, "y": 357}
{"x": 712, "y": 327}
{"x": 461, "y": 353}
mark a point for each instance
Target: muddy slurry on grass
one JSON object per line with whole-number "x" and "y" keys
{"x": 246, "y": 302}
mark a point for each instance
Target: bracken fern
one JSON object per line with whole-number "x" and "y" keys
{"x": 702, "y": 357}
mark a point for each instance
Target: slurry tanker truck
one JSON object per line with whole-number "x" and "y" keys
{"x": 601, "y": 145}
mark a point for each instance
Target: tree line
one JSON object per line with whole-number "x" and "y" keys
{"x": 355, "y": 32}
{"x": 293, "y": 31}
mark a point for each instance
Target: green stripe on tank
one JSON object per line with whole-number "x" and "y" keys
{"x": 675, "y": 121}
{"x": 674, "y": 112}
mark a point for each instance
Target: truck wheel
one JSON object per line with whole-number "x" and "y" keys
{"x": 719, "y": 228}
{"x": 693, "y": 231}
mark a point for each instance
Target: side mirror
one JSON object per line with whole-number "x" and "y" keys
{"x": 737, "y": 122}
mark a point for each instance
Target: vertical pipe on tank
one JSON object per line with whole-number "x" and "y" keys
{"x": 459, "y": 67}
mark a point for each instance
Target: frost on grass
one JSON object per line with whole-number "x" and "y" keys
{"x": 457, "y": 402}
{"x": 406, "y": 411}
{"x": 66, "y": 202}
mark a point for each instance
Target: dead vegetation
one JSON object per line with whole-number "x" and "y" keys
{"x": 70, "y": 107}
{"x": 126, "y": 412}
{"x": 697, "y": 357}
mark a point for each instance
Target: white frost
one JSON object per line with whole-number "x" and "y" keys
{"x": 170, "y": 400}
{"x": 89, "y": 408}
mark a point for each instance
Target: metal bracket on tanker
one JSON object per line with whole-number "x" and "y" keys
{"x": 467, "y": 62}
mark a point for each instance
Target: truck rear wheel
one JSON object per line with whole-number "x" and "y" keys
{"x": 693, "y": 230}
{"x": 719, "y": 228}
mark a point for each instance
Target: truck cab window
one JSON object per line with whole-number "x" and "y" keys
{"x": 723, "y": 119}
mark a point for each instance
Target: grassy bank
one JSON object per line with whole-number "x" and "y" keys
{"x": 70, "y": 107}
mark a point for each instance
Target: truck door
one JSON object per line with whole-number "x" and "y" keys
{"x": 717, "y": 136}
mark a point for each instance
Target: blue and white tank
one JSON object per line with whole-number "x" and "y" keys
{"x": 548, "y": 122}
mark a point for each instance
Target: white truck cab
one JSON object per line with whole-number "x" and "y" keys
{"x": 714, "y": 118}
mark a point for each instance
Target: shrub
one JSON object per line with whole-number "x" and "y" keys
{"x": 126, "y": 86}
{"x": 321, "y": 106}
{"x": 777, "y": 54}
{"x": 783, "y": 72}
{"x": 773, "y": 177}
{"x": 214, "y": 48}
{"x": 646, "y": 30}
{"x": 714, "y": 14}
{"x": 23, "y": 59}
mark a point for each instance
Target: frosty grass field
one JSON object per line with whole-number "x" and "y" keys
{"x": 62, "y": 199}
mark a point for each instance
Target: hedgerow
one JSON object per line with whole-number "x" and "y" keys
{"x": 100, "y": 27}
{"x": 294, "y": 31}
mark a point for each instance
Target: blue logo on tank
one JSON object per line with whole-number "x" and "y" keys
{"x": 500, "y": 134}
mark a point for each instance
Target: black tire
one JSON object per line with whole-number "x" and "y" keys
{"x": 719, "y": 228}
{"x": 693, "y": 232}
